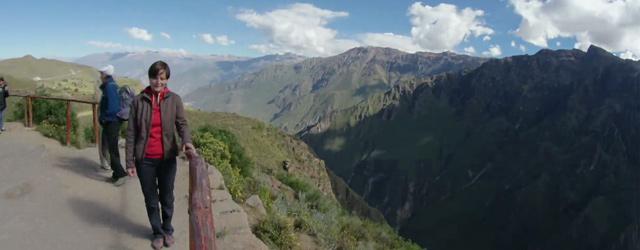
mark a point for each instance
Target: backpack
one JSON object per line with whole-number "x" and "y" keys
{"x": 126, "y": 98}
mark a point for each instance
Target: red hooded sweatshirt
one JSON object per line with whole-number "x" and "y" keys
{"x": 155, "y": 147}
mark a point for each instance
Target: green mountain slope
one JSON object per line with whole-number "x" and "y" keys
{"x": 303, "y": 212}
{"x": 28, "y": 67}
{"x": 295, "y": 96}
{"x": 526, "y": 152}
{"x": 57, "y": 78}
{"x": 33, "y": 76}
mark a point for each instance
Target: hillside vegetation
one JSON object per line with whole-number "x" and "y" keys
{"x": 302, "y": 212}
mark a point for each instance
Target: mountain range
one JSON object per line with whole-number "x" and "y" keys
{"x": 293, "y": 96}
{"x": 188, "y": 72}
{"x": 525, "y": 152}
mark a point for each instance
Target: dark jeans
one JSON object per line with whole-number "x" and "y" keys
{"x": 110, "y": 133}
{"x": 157, "y": 178}
{"x": 1, "y": 118}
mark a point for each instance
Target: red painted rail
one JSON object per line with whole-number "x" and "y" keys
{"x": 202, "y": 233}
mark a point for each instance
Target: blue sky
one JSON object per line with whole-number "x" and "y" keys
{"x": 317, "y": 28}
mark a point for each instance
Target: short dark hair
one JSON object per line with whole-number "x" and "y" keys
{"x": 1, "y": 78}
{"x": 157, "y": 67}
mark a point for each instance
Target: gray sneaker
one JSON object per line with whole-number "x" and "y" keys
{"x": 120, "y": 181}
{"x": 105, "y": 167}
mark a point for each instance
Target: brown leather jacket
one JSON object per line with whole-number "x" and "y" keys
{"x": 139, "y": 127}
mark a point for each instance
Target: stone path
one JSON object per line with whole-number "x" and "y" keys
{"x": 56, "y": 197}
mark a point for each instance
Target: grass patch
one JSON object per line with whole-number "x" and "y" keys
{"x": 276, "y": 230}
{"x": 315, "y": 214}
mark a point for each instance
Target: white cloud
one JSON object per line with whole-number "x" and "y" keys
{"x": 300, "y": 28}
{"x": 390, "y": 40}
{"x": 165, "y": 35}
{"x": 224, "y": 40}
{"x": 211, "y": 39}
{"x": 105, "y": 45}
{"x": 522, "y": 48}
{"x": 494, "y": 51}
{"x": 116, "y": 46}
{"x": 264, "y": 48}
{"x": 629, "y": 55}
{"x": 138, "y": 33}
{"x": 175, "y": 52}
{"x": 443, "y": 27}
{"x": 519, "y": 46}
{"x": 207, "y": 38}
{"x": 129, "y": 48}
{"x": 470, "y": 50}
{"x": 611, "y": 24}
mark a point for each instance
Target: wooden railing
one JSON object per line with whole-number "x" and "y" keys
{"x": 202, "y": 233}
{"x": 28, "y": 112}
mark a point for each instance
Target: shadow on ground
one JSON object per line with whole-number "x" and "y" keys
{"x": 84, "y": 167}
{"x": 97, "y": 214}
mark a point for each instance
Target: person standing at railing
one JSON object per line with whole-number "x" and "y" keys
{"x": 156, "y": 115}
{"x": 109, "y": 107}
{"x": 4, "y": 93}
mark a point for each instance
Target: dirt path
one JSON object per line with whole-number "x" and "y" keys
{"x": 56, "y": 197}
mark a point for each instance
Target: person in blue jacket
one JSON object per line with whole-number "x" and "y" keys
{"x": 109, "y": 107}
{"x": 4, "y": 93}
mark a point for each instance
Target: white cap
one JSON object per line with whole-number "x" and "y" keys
{"x": 107, "y": 70}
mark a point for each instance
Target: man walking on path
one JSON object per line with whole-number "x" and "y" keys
{"x": 109, "y": 107}
{"x": 4, "y": 93}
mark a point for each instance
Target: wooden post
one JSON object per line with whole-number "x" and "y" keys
{"x": 26, "y": 111}
{"x": 68, "y": 123}
{"x": 29, "y": 99}
{"x": 96, "y": 131}
{"x": 202, "y": 233}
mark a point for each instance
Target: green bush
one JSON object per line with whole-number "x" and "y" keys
{"x": 294, "y": 182}
{"x": 50, "y": 116}
{"x": 53, "y": 111}
{"x": 277, "y": 231}
{"x": 14, "y": 105}
{"x": 238, "y": 157}
{"x": 57, "y": 132}
{"x": 312, "y": 196}
{"x": 266, "y": 197}
{"x": 217, "y": 153}
{"x": 88, "y": 135}
{"x": 302, "y": 223}
{"x": 312, "y": 211}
